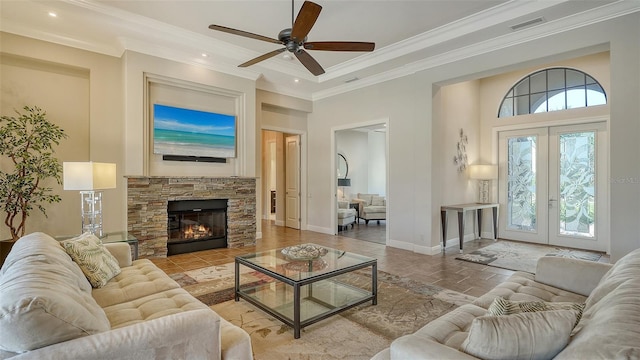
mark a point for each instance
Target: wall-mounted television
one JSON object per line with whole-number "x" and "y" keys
{"x": 187, "y": 132}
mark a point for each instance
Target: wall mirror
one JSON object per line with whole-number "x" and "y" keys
{"x": 343, "y": 167}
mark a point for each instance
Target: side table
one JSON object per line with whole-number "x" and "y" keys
{"x": 461, "y": 209}
{"x": 356, "y": 205}
{"x": 112, "y": 237}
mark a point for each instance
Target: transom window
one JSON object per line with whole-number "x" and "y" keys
{"x": 552, "y": 90}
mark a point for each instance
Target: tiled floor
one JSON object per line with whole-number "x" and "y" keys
{"x": 372, "y": 232}
{"x": 444, "y": 271}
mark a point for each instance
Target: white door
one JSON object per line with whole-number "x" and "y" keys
{"x": 292, "y": 182}
{"x": 522, "y": 185}
{"x": 553, "y": 186}
{"x": 578, "y": 215}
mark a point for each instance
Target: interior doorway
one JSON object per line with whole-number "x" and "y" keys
{"x": 281, "y": 171}
{"x": 361, "y": 154}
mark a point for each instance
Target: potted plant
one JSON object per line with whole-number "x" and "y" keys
{"x": 26, "y": 162}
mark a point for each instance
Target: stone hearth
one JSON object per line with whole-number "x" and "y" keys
{"x": 147, "y": 199}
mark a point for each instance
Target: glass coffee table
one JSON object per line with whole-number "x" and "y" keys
{"x": 306, "y": 287}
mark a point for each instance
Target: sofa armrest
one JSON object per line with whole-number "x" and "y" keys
{"x": 577, "y": 276}
{"x": 188, "y": 335}
{"x": 414, "y": 348}
{"x": 361, "y": 203}
{"x": 121, "y": 251}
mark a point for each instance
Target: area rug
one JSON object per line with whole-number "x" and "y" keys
{"x": 522, "y": 256}
{"x": 404, "y": 306}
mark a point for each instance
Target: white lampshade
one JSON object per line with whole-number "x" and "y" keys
{"x": 88, "y": 175}
{"x": 483, "y": 172}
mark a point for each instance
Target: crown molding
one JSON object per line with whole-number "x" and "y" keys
{"x": 470, "y": 24}
{"x": 13, "y": 27}
{"x": 589, "y": 17}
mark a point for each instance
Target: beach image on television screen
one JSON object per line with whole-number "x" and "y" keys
{"x": 180, "y": 131}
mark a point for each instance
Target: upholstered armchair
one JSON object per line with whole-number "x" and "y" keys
{"x": 371, "y": 207}
{"x": 346, "y": 215}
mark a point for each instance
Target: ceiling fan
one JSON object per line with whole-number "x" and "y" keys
{"x": 295, "y": 39}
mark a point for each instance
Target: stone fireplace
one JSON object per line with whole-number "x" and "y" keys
{"x": 148, "y": 200}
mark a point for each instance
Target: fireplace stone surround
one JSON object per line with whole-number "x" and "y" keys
{"x": 148, "y": 196}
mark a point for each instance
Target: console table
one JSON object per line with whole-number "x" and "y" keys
{"x": 461, "y": 209}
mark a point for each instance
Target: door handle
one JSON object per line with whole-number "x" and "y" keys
{"x": 551, "y": 202}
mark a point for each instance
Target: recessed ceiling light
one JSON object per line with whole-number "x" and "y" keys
{"x": 296, "y": 80}
{"x": 52, "y": 14}
{"x": 204, "y": 55}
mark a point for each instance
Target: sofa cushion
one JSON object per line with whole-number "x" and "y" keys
{"x": 532, "y": 335}
{"x": 521, "y": 286}
{"x": 140, "y": 279}
{"x": 377, "y": 201}
{"x": 152, "y": 307}
{"x": 96, "y": 262}
{"x": 452, "y": 328}
{"x": 42, "y": 302}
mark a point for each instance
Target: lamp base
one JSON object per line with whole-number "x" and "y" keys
{"x": 483, "y": 192}
{"x": 91, "y": 207}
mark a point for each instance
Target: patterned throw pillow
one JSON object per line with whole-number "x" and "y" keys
{"x": 96, "y": 262}
{"x": 501, "y": 306}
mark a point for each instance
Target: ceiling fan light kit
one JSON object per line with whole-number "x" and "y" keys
{"x": 295, "y": 39}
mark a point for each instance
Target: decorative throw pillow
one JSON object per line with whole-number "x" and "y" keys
{"x": 501, "y": 306}
{"x": 377, "y": 201}
{"x": 96, "y": 262}
{"x": 532, "y": 335}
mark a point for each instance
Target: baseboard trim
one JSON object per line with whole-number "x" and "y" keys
{"x": 320, "y": 229}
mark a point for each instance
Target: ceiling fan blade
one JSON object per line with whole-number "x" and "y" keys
{"x": 244, "y": 33}
{"x": 262, "y": 57}
{"x": 304, "y": 22}
{"x": 340, "y": 46}
{"x": 309, "y": 62}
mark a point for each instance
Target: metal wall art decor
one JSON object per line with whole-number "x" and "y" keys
{"x": 460, "y": 159}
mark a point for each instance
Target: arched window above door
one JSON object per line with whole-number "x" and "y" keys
{"x": 552, "y": 89}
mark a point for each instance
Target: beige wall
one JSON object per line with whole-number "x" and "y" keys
{"x": 456, "y": 107}
{"x": 81, "y": 92}
{"x": 282, "y": 115}
{"x": 111, "y": 125}
{"x": 140, "y": 159}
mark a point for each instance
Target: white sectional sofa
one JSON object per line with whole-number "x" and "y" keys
{"x": 609, "y": 327}
{"x": 48, "y": 310}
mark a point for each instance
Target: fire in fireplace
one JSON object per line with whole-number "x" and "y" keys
{"x": 196, "y": 225}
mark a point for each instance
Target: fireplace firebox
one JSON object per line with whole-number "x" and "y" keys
{"x": 196, "y": 225}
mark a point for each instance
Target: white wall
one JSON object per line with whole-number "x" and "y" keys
{"x": 415, "y": 194}
{"x": 353, "y": 145}
{"x": 377, "y": 162}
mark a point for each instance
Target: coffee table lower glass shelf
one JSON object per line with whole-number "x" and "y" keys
{"x": 303, "y": 293}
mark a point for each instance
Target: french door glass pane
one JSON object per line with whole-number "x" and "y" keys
{"x": 521, "y": 183}
{"x": 577, "y": 184}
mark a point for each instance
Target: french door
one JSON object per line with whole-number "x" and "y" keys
{"x": 553, "y": 186}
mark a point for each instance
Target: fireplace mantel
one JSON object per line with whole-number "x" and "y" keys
{"x": 148, "y": 196}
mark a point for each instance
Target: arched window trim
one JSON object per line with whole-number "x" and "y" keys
{"x": 511, "y": 95}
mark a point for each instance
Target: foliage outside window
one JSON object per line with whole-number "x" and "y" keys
{"x": 552, "y": 90}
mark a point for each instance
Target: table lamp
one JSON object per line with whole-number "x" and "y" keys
{"x": 484, "y": 174}
{"x": 342, "y": 183}
{"x": 89, "y": 177}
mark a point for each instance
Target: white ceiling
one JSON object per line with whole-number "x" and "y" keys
{"x": 409, "y": 35}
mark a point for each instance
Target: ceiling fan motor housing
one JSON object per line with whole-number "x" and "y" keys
{"x": 289, "y": 43}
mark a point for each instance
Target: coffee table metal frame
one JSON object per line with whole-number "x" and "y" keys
{"x": 296, "y": 322}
